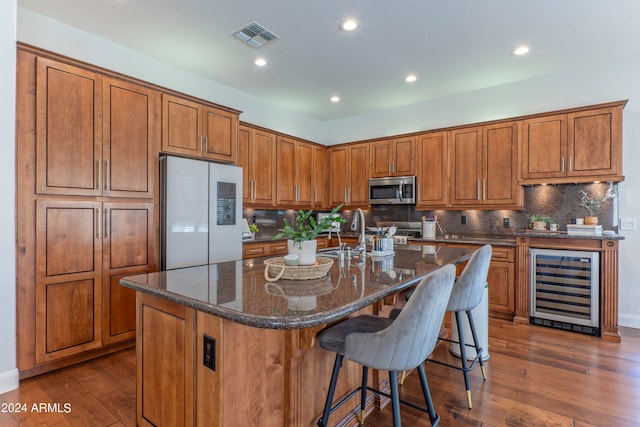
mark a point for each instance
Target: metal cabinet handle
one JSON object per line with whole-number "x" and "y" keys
{"x": 418, "y": 192}
{"x": 98, "y": 219}
{"x": 345, "y": 195}
{"x": 393, "y": 167}
{"x": 107, "y": 223}
{"x": 107, "y": 183}
{"x": 570, "y": 164}
{"x": 99, "y": 178}
{"x": 479, "y": 195}
{"x": 484, "y": 189}
{"x": 206, "y": 144}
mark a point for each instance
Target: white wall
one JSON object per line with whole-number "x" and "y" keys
{"x": 8, "y": 371}
{"x": 610, "y": 82}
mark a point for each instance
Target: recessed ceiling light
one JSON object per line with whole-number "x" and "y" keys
{"x": 349, "y": 25}
{"x": 335, "y": 98}
{"x": 260, "y": 62}
{"x": 521, "y": 50}
{"x": 411, "y": 78}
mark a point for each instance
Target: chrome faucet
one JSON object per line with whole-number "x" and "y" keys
{"x": 358, "y": 217}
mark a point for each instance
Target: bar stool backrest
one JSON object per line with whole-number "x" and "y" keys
{"x": 410, "y": 339}
{"x": 469, "y": 286}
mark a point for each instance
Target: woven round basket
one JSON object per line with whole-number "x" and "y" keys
{"x": 276, "y": 269}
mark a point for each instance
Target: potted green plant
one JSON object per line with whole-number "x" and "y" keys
{"x": 253, "y": 229}
{"x": 539, "y": 222}
{"x": 301, "y": 234}
{"x": 591, "y": 204}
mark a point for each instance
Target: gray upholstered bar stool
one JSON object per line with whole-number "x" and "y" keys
{"x": 466, "y": 295}
{"x": 391, "y": 344}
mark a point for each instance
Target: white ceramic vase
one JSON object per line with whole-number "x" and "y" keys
{"x": 306, "y": 251}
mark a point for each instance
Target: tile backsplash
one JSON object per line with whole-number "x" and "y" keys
{"x": 560, "y": 202}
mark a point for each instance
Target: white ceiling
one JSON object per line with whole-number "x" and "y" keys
{"x": 453, "y": 46}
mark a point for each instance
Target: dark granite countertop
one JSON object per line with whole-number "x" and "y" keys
{"x": 564, "y": 235}
{"x": 477, "y": 239}
{"x": 237, "y": 290}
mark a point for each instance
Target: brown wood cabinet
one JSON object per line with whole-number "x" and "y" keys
{"x": 501, "y": 277}
{"x": 393, "y": 157}
{"x": 77, "y": 244}
{"x": 483, "y": 165}
{"x": 321, "y": 174}
{"x": 350, "y": 175}
{"x": 94, "y": 134}
{"x": 432, "y": 170}
{"x": 577, "y": 146}
{"x": 87, "y": 145}
{"x": 294, "y": 172}
{"x": 278, "y": 247}
{"x": 257, "y": 154}
{"x": 196, "y": 129}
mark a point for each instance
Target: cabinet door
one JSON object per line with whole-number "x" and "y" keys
{"x": 287, "y": 189}
{"x": 244, "y": 136}
{"x": 128, "y": 248}
{"x": 220, "y": 135}
{"x": 339, "y": 172}
{"x": 544, "y": 142}
{"x": 165, "y": 350}
{"x": 465, "y": 155}
{"x": 129, "y": 132}
{"x": 304, "y": 173}
{"x": 321, "y": 174}
{"x": 262, "y": 167}
{"x": 181, "y": 126}
{"x": 500, "y": 164}
{"x": 358, "y": 191}
{"x": 501, "y": 281}
{"x": 595, "y": 142}
{"x": 68, "y": 129}
{"x": 431, "y": 172}
{"x": 404, "y": 157}
{"x": 68, "y": 278}
{"x": 381, "y": 154}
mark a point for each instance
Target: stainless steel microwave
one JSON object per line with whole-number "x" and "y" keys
{"x": 397, "y": 190}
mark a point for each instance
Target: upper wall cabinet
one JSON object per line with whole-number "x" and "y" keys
{"x": 294, "y": 172}
{"x": 257, "y": 158}
{"x": 393, "y": 157}
{"x": 321, "y": 174}
{"x": 350, "y": 175}
{"x": 483, "y": 165}
{"x": 432, "y": 170}
{"x": 196, "y": 129}
{"x": 577, "y": 146}
{"x": 95, "y": 135}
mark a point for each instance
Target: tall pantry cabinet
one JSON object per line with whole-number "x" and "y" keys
{"x": 86, "y": 167}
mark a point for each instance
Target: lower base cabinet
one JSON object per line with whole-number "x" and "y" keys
{"x": 501, "y": 279}
{"x": 259, "y": 377}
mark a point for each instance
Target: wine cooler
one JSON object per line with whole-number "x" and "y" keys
{"x": 565, "y": 289}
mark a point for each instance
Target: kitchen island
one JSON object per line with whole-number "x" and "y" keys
{"x": 219, "y": 345}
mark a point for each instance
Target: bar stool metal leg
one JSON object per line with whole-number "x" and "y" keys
{"x": 395, "y": 399}
{"x": 322, "y": 422}
{"x": 433, "y": 417}
{"x": 476, "y": 343}
{"x": 363, "y": 393}
{"x": 463, "y": 358}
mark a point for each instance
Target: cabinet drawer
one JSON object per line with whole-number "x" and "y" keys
{"x": 278, "y": 248}
{"x": 502, "y": 254}
{"x": 253, "y": 250}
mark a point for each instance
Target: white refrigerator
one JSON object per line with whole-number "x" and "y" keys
{"x": 201, "y": 212}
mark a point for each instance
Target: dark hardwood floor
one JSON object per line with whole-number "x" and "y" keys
{"x": 536, "y": 377}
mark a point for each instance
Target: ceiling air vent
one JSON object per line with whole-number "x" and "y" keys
{"x": 255, "y": 35}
